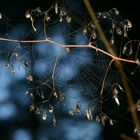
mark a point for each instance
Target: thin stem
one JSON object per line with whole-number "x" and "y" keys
{"x": 102, "y": 88}
{"x": 71, "y": 46}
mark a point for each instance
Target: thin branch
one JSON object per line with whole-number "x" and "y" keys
{"x": 71, "y": 46}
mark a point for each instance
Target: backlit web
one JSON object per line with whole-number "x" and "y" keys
{"x": 65, "y": 78}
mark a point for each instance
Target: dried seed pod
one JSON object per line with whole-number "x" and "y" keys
{"x": 26, "y": 64}
{"x": 68, "y": 50}
{"x": 111, "y": 122}
{"x": 130, "y": 51}
{"x": 71, "y": 112}
{"x": 125, "y": 33}
{"x": 29, "y": 93}
{"x": 38, "y": 110}
{"x": 129, "y": 24}
{"x": 16, "y": 55}
{"x": 116, "y": 11}
{"x": 138, "y": 105}
{"x": 61, "y": 19}
{"x": 46, "y": 17}
{"x": 89, "y": 114}
{"x": 124, "y": 49}
{"x": 0, "y": 15}
{"x": 44, "y": 115}
{"x": 29, "y": 77}
{"x": 93, "y": 35}
{"x": 112, "y": 40}
{"x": 78, "y": 107}
{"x": 50, "y": 108}
{"x": 61, "y": 96}
{"x": 7, "y": 58}
{"x": 28, "y": 14}
{"x": 137, "y": 61}
{"x": 84, "y": 31}
{"x": 117, "y": 100}
{"x": 56, "y": 8}
{"x": 68, "y": 19}
{"x": 97, "y": 118}
{"x": 38, "y": 10}
{"x": 12, "y": 70}
{"x": 137, "y": 131}
{"x": 32, "y": 107}
{"x": 42, "y": 95}
{"x": 54, "y": 121}
{"x": 119, "y": 31}
{"x": 55, "y": 94}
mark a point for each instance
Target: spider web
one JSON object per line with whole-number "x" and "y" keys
{"x": 73, "y": 76}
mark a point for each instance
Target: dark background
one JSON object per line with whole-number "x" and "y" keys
{"x": 40, "y": 130}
